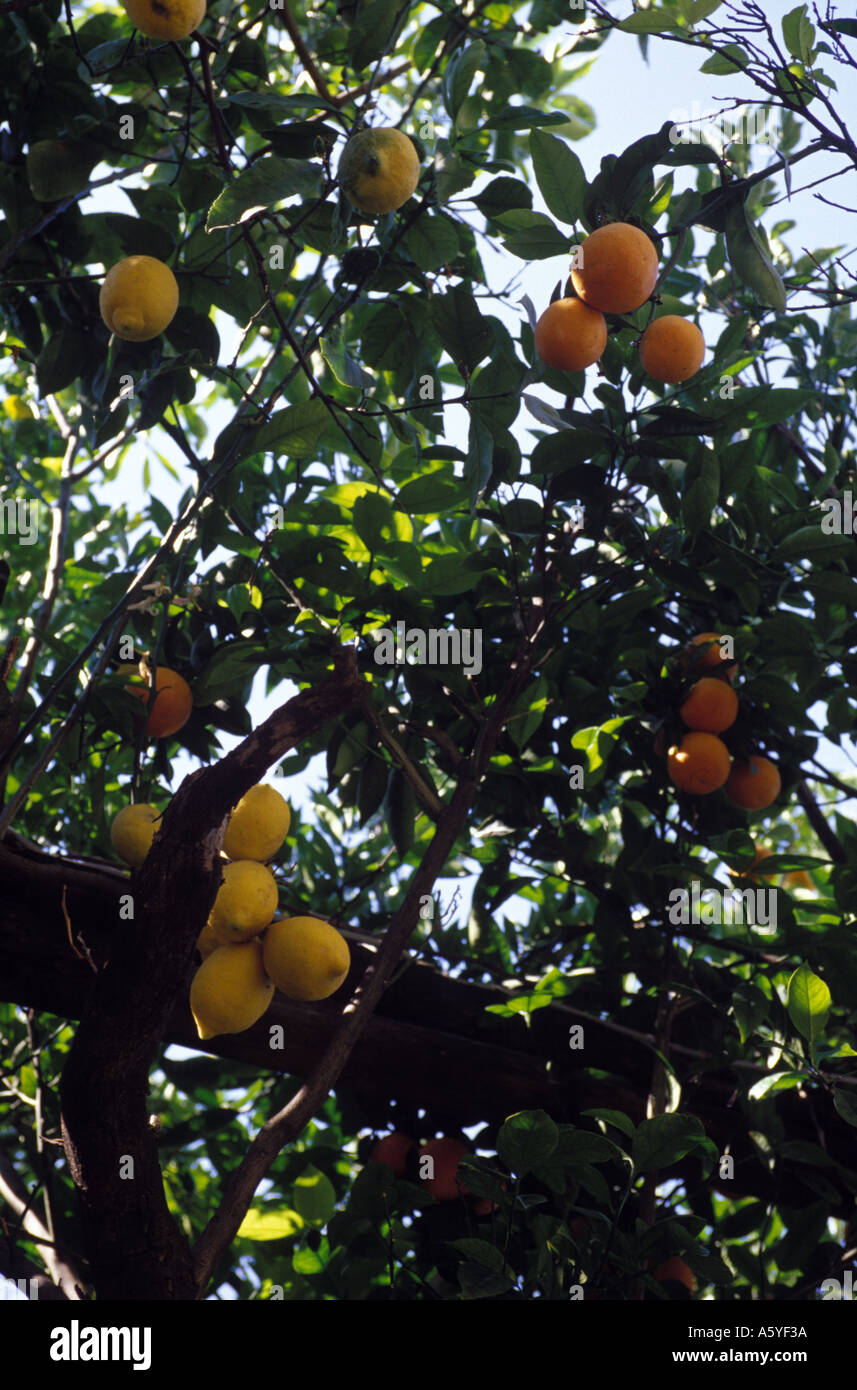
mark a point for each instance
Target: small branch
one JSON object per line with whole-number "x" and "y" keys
{"x": 53, "y": 574}
{"x": 211, "y": 102}
{"x": 431, "y": 804}
{"x": 13, "y": 1191}
{"x": 826, "y": 835}
{"x": 305, "y": 56}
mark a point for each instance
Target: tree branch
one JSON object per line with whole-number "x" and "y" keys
{"x": 826, "y": 835}
{"x": 305, "y": 56}
{"x": 431, "y": 804}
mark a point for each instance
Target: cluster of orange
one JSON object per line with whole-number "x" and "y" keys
{"x": 701, "y": 763}
{"x": 617, "y": 274}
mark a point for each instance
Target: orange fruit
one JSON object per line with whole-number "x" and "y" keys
{"x": 173, "y": 702}
{"x": 710, "y": 660}
{"x": 754, "y": 784}
{"x": 619, "y": 267}
{"x": 699, "y": 764}
{"x": 798, "y": 878}
{"x": 671, "y": 349}
{"x": 676, "y": 1269}
{"x": 393, "y": 1149}
{"x": 710, "y": 707}
{"x": 446, "y": 1154}
{"x": 569, "y": 335}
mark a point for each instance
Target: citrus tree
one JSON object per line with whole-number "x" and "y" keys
{"x": 568, "y": 602}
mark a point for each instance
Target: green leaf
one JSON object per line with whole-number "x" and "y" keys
{"x": 654, "y": 21}
{"x": 62, "y": 360}
{"x": 231, "y": 667}
{"x": 314, "y": 1197}
{"x": 664, "y": 1140}
{"x": 722, "y": 64}
{"x": 431, "y": 241}
{"x": 478, "y": 1282}
{"x": 531, "y": 235}
{"x": 562, "y": 450}
{"x": 502, "y": 194}
{"x": 799, "y": 33}
{"x": 459, "y": 74}
{"x": 776, "y": 1081}
{"x": 191, "y": 331}
{"x": 461, "y": 328}
{"x": 401, "y": 811}
{"x": 527, "y": 1139}
{"x": 270, "y": 1225}
{"x": 808, "y": 1003}
{"x": 477, "y": 465}
{"x": 371, "y": 31}
{"x": 559, "y": 174}
{"x": 845, "y": 1104}
{"x": 433, "y": 494}
{"x": 479, "y": 1252}
{"x": 701, "y": 497}
{"x": 293, "y": 432}
{"x": 524, "y": 118}
{"x": 615, "y": 1118}
{"x": 271, "y": 179}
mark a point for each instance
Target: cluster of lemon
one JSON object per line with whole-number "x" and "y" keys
{"x": 617, "y": 273}
{"x": 701, "y": 763}
{"x": 245, "y": 951}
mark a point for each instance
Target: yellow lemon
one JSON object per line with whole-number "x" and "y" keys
{"x": 165, "y": 19}
{"x": 139, "y": 298}
{"x": 207, "y": 942}
{"x": 258, "y": 825}
{"x": 230, "y": 991}
{"x": 379, "y": 169}
{"x": 133, "y": 831}
{"x": 245, "y": 903}
{"x": 18, "y": 409}
{"x": 306, "y": 958}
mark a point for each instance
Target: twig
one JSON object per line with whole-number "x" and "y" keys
{"x": 13, "y": 1191}
{"x": 826, "y": 835}
{"x": 53, "y": 573}
{"x": 304, "y": 54}
{"x": 430, "y": 803}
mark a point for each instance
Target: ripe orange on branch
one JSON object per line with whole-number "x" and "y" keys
{"x": 699, "y": 764}
{"x": 570, "y": 336}
{"x": 754, "y": 784}
{"x": 393, "y": 1149}
{"x": 711, "y": 706}
{"x": 618, "y": 270}
{"x": 671, "y": 349}
{"x": 445, "y": 1153}
{"x": 709, "y": 659}
{"x": 172, "y": 705}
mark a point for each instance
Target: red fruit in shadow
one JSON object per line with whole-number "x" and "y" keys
{"x": 393, "y": 1149}
{"x": 675, "y": 1269}
{"x": 445, "y": 1154}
